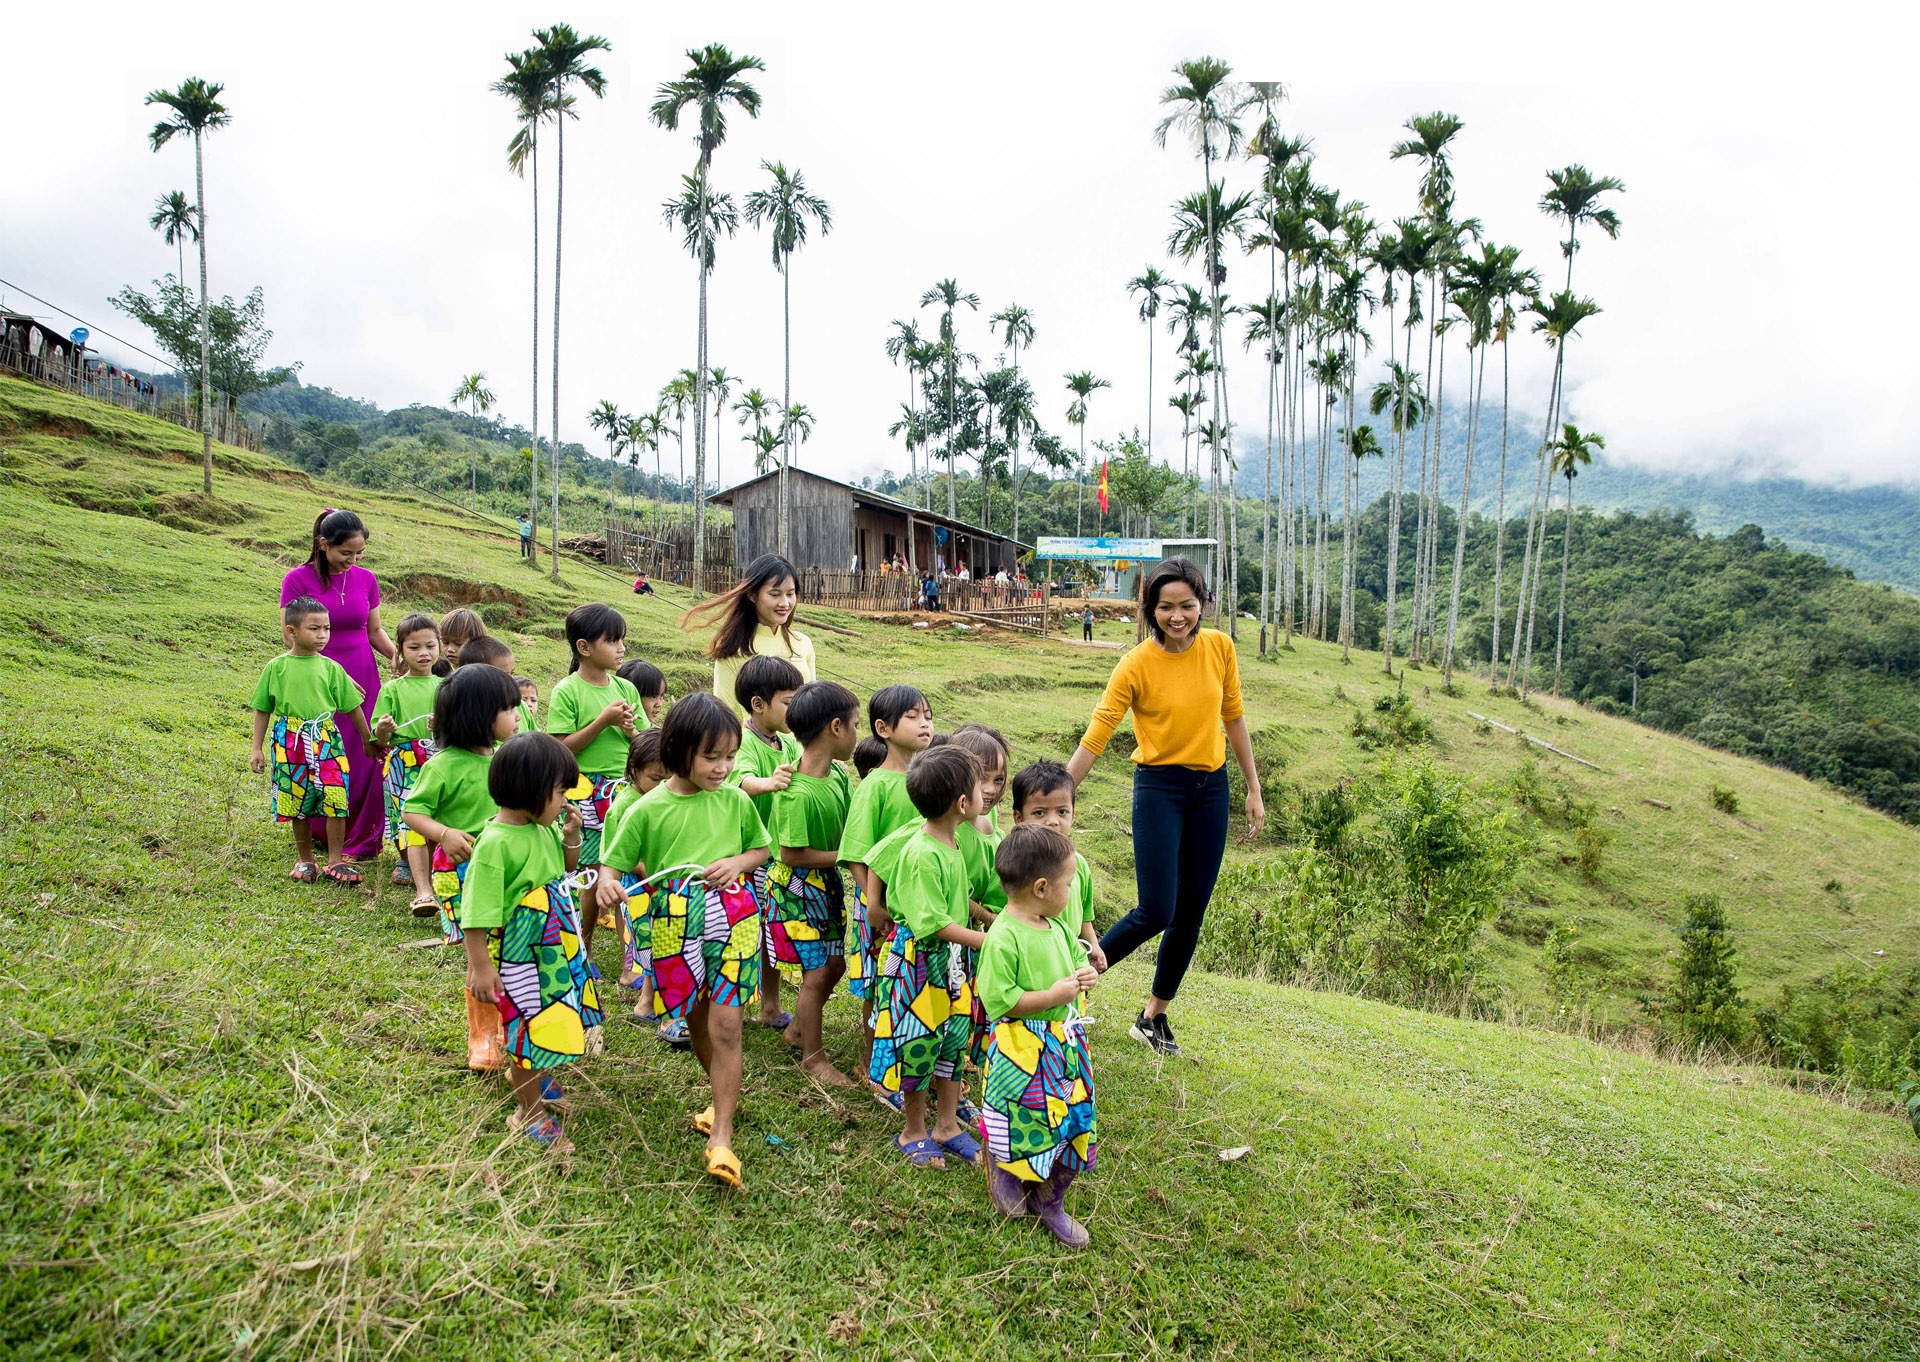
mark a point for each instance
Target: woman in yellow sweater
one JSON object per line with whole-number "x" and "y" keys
{"x": 1182, "y": 684}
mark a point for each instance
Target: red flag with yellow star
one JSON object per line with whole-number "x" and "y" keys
{"x": 1103, "y": 487}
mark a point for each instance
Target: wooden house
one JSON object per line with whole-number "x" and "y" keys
{"x": 836, "y": 526}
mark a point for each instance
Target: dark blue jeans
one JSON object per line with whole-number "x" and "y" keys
{"x": 1179, "y": 836}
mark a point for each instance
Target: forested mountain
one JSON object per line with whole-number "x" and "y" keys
{"x": 1875, "y": 531}
{"x": 1735, "y": 640}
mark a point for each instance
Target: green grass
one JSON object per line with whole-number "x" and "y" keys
{"x": 237, "y": 1123}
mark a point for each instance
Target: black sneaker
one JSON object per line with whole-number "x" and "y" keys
{"x": 1152, "y": 1032}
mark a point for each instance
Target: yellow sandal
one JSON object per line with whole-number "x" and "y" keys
{"x": 723, "y": 1165}
{"x": 703, "y": 1121}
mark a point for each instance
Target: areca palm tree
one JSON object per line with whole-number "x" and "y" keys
{"x": 1573, "y": 451}
{"x": 1016, "y": 330}
{"x": 473, "y": 391}
{"x": 642, "y": 432}
{"x": 563, "y": 53}
{"x": 1149, "y": 286}
{"x": 711, "y": 87}
{"x": 1506, "y": 284}
{"x": 703, "y": 218}
{"x": 785, "y": 208}
{"x": 720, "y": 384}
{"x": 1573, "y": 196}
{"x": 1399, "y": 397}
{"x": 1082, "y": 385}
{"x": 796, "y": 425}
{"x": 1203, "y": 107}
{"x": 1201, "y": 224}
{"x": 1557, "y": 321}
{"x": 905, "y": 346}
{"x": 196, "y": 108}
{"x": 173, "y": 217}
{"x": 675, "y": 397}
{"x": 1362, "y": 444}
{"x": 529, "y": 85}
{"x": 756, "y": 407}
{"x": 947, "y": 295}
{"x": 911, "y": 429}
{"x": 611, "y": 422}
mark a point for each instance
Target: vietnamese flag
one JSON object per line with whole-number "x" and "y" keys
{"x": 1103, "y": 487}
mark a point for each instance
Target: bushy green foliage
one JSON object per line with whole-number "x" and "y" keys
{"x": 1558, "y": 965}
{"x": 1394, "y": 723}
{"x": 1861, "y": 1022}
{"x": 1724, "y": 798}
{"x": 1704, "y": 1001}
{"x": 1393, "y": 903}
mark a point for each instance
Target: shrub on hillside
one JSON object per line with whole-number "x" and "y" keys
{"x": 1396, "y": 907}
{"x": 1861, "y": 1023}
{"x": 1394, "y": 723}
{"x": 1704, "y": 1001}
{"x": 1724, "y": 798}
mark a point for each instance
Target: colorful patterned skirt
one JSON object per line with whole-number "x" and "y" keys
{"x": 921, "y": 1033}
{"x": 963, "y": 974}
{"x": 448, "y": 880}
{"x": 549, "y": 996}
{"x": 399, "y": 769}
{"x": 636, "y": 931}
{"x": 593, "y": 815}
{"x": 309, "y": 770}
{"x": 864, "y": 966}
{"x": 1038, "y": 1115}
{"x": 806, "y": 915}
{"x": 703, "y": 943}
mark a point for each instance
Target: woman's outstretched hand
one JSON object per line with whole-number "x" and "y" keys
{"x": 1256, "y": 813}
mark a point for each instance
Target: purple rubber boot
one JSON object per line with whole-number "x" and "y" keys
{"x": 1049, "y": 1204}
{"x": 1007, "y": 1192}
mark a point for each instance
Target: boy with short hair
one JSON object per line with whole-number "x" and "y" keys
{"x": 806, "y": 912}
{"x": 764, "y": 766}
{"x": 921, "y": 1037}
{"x": 1043, "y": 796}
{"x": 298, "y": 694}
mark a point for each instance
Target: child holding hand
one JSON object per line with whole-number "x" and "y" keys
{"x": 920, "y": 1039}
{"x": 297, "y": 696}
{"x": 1039, "y": 1118}
{"x": 1043, "y": 794}
{"x": 644, "y": 772}
{"x": 402, "y": 733}
{"x": 764, "y": 687}
{"x": 705, "y": 923}
{"x": 806, "y": 912}
{"x": 521, "y": 925}
{"x": 475, "y": 710}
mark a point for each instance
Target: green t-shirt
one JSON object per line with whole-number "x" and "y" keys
{"x": 408, "y": 701}
{"x": 663, "y": 829}
{"x": 452, "y": 789}
{"x": 302, "y": 688}
{"x": 1079, "y": 910}
{"x": 983, "y": 880}
{"x": 757, "y": 759}
{"x": 574, "y": 704}
{"x": 879, "y": 806}
{"x": 811, "y": 812}
{"x": 508, "y": 860}
{"x": 529, "y": 724}
{"x": 1016, "y": 958}
{"x": 927, "y": 885}
{"x": 610, "y": 825}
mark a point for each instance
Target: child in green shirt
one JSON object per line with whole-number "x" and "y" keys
{"x": 764, "y": 686}
{"x": 1043, "y": 793}
{"x": 920, "y": 1039}
{"x": 650, "y": 683}
{"x": 806, "y": 911}
{"x": 979, "y": 837}
{"x": 518, "y": 899}
{"x": 402, "y": 734}
{"x": 1040, "y": 1111}
{"x": 705, "y": 924}
{"x": 644, "y": 772}
{"x": 901, "y": 718}
{"x": 595, "y": 713}
{"x": 297, "y": 696}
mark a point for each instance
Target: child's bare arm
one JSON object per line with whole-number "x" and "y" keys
{"x": 962, "y": 936}
{"x": 1036, "y": 1000}
{"x": 806, "y": 858}
{"x": 258, "y": 762}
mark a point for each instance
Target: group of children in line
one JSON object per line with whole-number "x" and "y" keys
{"x": 721, "y": 851}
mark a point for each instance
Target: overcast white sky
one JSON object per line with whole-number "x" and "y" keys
{"x": 1753, "y": 303}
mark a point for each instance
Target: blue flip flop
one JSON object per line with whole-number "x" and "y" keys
{"x": 968, "y": 1114}
{"x": 962, "y": 1146}
{"x": 779, "y": 1023}
{"x": 890, "y": 1099}
{"x": 551, "y": 1092}
{"x": 920, "y": 1153}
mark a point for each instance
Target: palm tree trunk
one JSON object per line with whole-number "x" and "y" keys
{"x": 206, "y": 323}
{"x": 1536, "y": 540}
{"x": 698, "y": 576}
{"x": 1460, "y": 531}
{"x": 559, "y": 205}
{"x": 1080, "y": 482}
{"x": 1566, "y": 556}
{"x": 533, "y": 477}
{"x": 1266, "y": 508}
{"x": 1500, "y": 526}
{"x": 1393, "y": 509}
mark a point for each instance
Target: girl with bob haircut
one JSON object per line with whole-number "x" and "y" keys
{"x": 700, "y": 839}
{"x": 756, "y": 616}
{"x": 520, "y": 898}
{"x": 402, "y": 719}
{"x": 1182, "y": 684}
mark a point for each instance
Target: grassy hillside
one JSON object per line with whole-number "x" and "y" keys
{"x": 239, "y": 1127}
